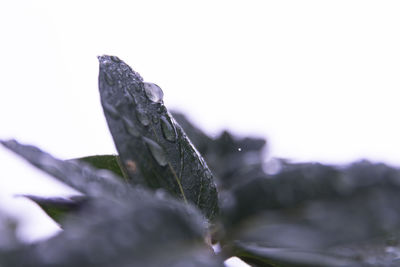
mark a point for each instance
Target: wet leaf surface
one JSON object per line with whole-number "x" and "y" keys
{"x": 152, "y": 146}
{"x": 136, "y": 228}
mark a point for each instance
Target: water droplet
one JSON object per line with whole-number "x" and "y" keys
{"x": 130, "y": 127}
{"x": 130, "y": 99}
{"x": 155, "y": 119}
{"x": 239, "y": 149}
{"x": 118, "y": 104}
{"x": 156, "y": 151}
{"x": 111, "y": 110}
{"x": 115, "y": 59}
{"x": 168, "y": 129}
{"x": 161, "y": 109}
{"x": 142, "y": 116}
{"x": 208, "y": 175}
{"x": 153, "y": 92}
{"x": 217, "y": 248}
{"x": 109, "y": 79}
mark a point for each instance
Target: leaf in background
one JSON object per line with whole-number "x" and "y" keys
{"x": 106, "y": 162}
{"x": 293, "y": 185}
{"x": 310, "y": 213}
{"x": 153, "y": 147}
{"x": 232, "y": 159}
{"x": 200, "y": 140}
{"x": 78, "y": 175}
{"x": 58, "y": 208}
{"x": 266, "y": 256}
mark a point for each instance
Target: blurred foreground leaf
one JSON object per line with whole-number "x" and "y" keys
{"x": 133, "y": 227}
{"x": 78, "y": 175}
{"x": 8, "y": 236}
{"x": 153, "y": 148}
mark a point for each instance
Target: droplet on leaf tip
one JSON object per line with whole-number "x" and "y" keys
{"x": 142, "y": 116}
{"x": 109, "y": 79}
{"x": 115, "y": 59}
{"x": 153, "y": 92}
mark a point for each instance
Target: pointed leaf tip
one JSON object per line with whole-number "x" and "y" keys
{"x": 147, "y": 136}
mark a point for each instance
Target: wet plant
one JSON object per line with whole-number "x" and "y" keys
{"x": 172, "y": 192}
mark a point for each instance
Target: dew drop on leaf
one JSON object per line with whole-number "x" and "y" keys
{"x": 109, "y": 79}
{"x": 133, "y": 87}
{"x": 130, "y": 127}
{"x": 111, "y": 110}
{"x": 138, "y": 88}
{"x": 156, "y": 151}
{"x": 115, "y": 59}
{"x": 130, "y": 99}
{"x": 161, "y": 109}
{"x": 142, "y": 116}
{"x": 168, "y": 129}
{"x": 208, "y": 174}
{"x": 153, "y": 92}
{"x": 155, "y": 119}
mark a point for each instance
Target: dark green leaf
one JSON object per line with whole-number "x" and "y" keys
{"x": 153, "y": 147}
{"x": 58, "y": 208}
{"x": 106, "y": 162}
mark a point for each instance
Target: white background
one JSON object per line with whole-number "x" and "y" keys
{"x": 319, "y": 79}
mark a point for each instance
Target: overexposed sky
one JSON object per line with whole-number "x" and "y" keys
{"x": 319, "y": 79}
